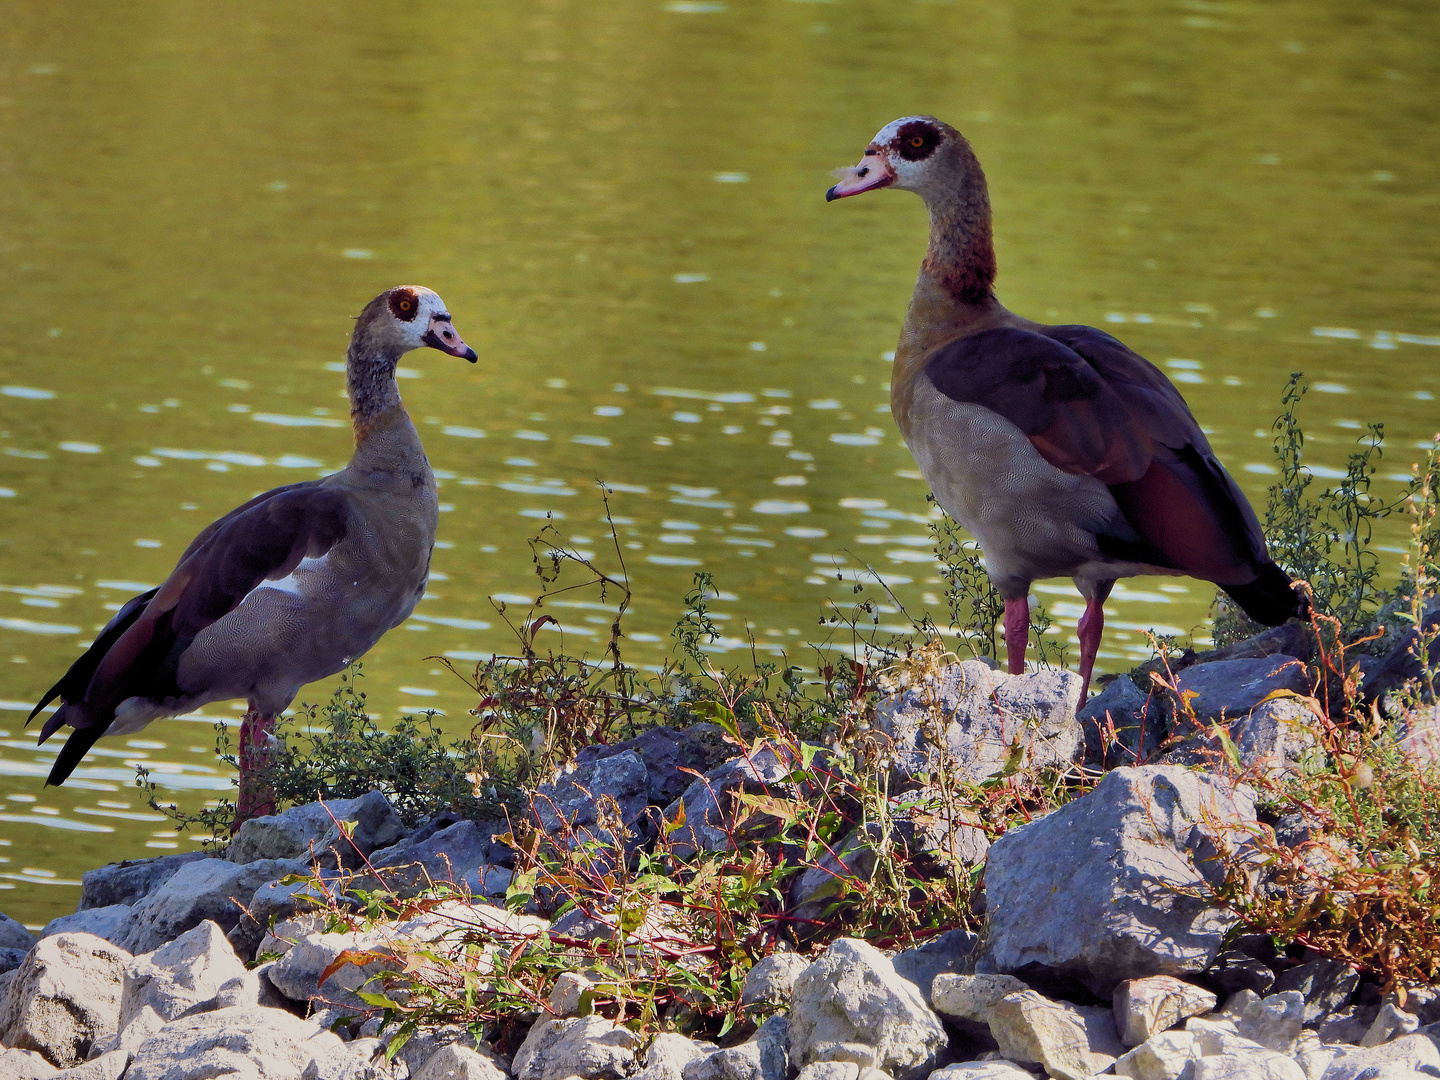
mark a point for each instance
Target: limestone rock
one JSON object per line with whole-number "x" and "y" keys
{"x": 972, "y": 997}
{"x": 667, "y": 755}
{"x": 587, "y": 1046}
{"x": 945, "y": 954}
{"x": 1146, "y": 1007}
{"x": 210, "y": 889}
{"x": 1094, "y": 890}
{"x": 146, "y": 1023}
{"x": 1273, "y": 1022}
{"x": 275, "y": 902}
{"x": 65, "y": 997}
{"x": 1312, "y": 1055}
{"x": 309, "y": 832}
{"x": 111, "y": 923}
{"x": 1231, "y": 688}
{"x": 297, "y": 973}
{"x": 574, "y": 799}
{"x": 427, "y": 1042}
{"x": 1326, "y": 985}
{"x": 13, "y": 935}
{"x": 109, "y": 1066}
{"x": 1160, "y": 1057}
{"x": 1138, "y": 722}
{"x": 457, "y": 854}
{"x": 1072, "y": 1042}
{"x": 709, "y": 802}
{"x": 765, "y": 1056}
{"x": 567, "y": 996}
{"x": 1251, "y": 1065}
{"x": 24, "y": 1065}
{"x": 668, "y": 1054}
{"x": 127, "y": 882}
{"x": 254, "y": 1043}
{"x": 1414, "y": 1052}
{"x": 983, "y": 713}
{"x": 1390, "y": 1022}
{"x": 983, "y": 1070}
{"x": 456, "y": 1062}
{"x": 851, "y": 994}
{"x": 772, "y": 978}
{"x": 181, "y": 974}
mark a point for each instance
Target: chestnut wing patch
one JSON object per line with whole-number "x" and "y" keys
{"x": 1093, "y": 407}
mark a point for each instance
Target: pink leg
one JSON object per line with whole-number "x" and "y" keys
{"x": 1017, "y": 633}
{"x": 257, "y": 796}
{"x": 1092, "y": 625}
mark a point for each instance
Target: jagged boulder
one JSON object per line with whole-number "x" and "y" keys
{"x": 1071, "y": 1041}
{"x": 129, "y": 881}
{"x": 983, "y": 714}
{"x": 255, "y": 1043}
{"x": 586, "y": 1046}
{"x": 851, "y": 994}
{"x": 64, "y": 998}
{"x": 311, "y": 832}
{"x": 180, "y": 975}
{"x": 212, "y": 889}
{"x": 1100, "y": 890}
{"x": 112, "y": 923}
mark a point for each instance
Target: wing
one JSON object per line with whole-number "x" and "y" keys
{"x": 1092, "y": 407}
{"x": 138, "y": 654}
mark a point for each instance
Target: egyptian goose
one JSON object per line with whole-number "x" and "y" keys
{"x": 1063, "y": 452}
{"x": 286, "y": 589}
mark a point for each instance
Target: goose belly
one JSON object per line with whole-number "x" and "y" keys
{"x": 1031, "y": 519}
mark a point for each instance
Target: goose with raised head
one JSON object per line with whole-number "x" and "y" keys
{"x": 286, "y": 589}
{"x": 1063, "y": 452}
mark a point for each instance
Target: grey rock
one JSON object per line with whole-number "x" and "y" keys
{"x": 310, "y": 832}
{"x": 1231, "y": 688}
{"x": 10, "y": 959}
{"x": 1095, "y": 889}
{"x": 1414, "y": 1052}
{"x": 1218, "y": 1036}
{"x": 129, "y": 1038}
{"x": 1146, "y": 1007}
{"x": 1403, "y": 663}
{"x": 64, "y": 997}
{"x": 297, "y": 973}
{"x": 667, "y": 755}
{"x": 111, "y": 923}
{"x": 13, "y": 935}
{"x": 277, "y": 901}
{"x": 574, "y": 800}
{"x": 765, "y": 1056}
{"x": 983, "y": 713}
{"x": 127, "y": 882}
{"x": 181, "y": 974}
{"x": 1312, "y": 1055}
{"x": 567, "y": 996}
{"x": 983, "y": 1070}
{"x": 1271, "y": 740}
{"x": 1138, "y": 725}
{"x": 1073, "y": 1042}
{"x": 944, "y": 954}
{"x": 972, "y": 997}
{"x": 253, "y": 1043}
{"x": 456, "y": 1062}
{"x": 587, "y": 1046}
{"x": 338, "y": 1063}
{"x": 24, "y": 1065}
{"x": 1347, "y": 1025}
{"x": 1327, "y": 986}
{"x": 709, "y": 802}
{"x": 668, "y": 1054}
{"x": 772, "y": 978}
{"x": 1251, "y": 1065}
{"x": 427, "y": 1042}
{"x": 455, "y": 855}
{"x": 212, "y": 889}
{"x": 1274, "y": 1021}
{"x": 1160, "y": 1057}
{"x": 851, "y": 994}
{"x": 1234, "y": 971}
{"x": 1390, "y": 1023}
{"x": 109, "y": 1066}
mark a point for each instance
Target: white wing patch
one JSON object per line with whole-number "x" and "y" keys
{"x": 291, "y": 582}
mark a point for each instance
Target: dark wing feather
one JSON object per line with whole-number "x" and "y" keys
{"x": 1092, "y": 407}
{"x": 73, "y": 683}
{"x": 265, "y": 539}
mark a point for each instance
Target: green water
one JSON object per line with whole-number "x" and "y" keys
{"x": 622, "y": 204}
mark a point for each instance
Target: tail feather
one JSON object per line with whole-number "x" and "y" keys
{"x": 75, "y": 748}
{"x": 1272, "y": 598}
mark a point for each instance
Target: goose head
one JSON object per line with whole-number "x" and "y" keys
{"x": 411, "y": 317}
{"x": 915, "y": 153}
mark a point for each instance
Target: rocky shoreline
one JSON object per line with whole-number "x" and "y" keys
{"x": 1102, "y": 951}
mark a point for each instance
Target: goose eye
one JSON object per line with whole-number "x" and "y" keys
{"x": 917, "y": 141}
{"x": 406, "y": 305}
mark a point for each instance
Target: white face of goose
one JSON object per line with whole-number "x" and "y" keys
{"x": 898, "y": 157}
{"x": 421, "y": 319}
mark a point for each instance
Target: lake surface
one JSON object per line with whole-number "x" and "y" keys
{"x": 622, "y": 204}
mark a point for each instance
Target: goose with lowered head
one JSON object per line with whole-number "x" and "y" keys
{"x": 286, "y": 589}
{"x": 1063, "y": 452}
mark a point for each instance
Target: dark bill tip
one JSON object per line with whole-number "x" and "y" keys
{"x": 830, "y": 195}
{"x": 470, "y": 355}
